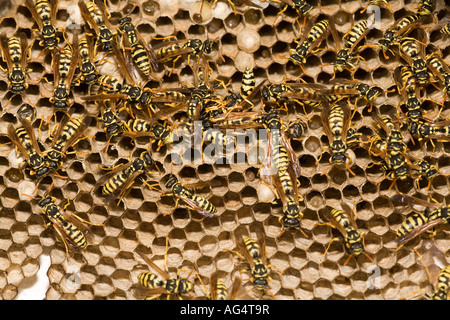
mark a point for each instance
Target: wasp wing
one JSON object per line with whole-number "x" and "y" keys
{"x": 5, "y": 52}
{"x": 31, "y": 6}
{"x": 154, "y": 266}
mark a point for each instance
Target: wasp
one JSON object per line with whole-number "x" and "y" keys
{"x": 395, "y": 148}
{"x": 281, "y": 153}
{"x": 368, "y": 93}
{"x": 297, "y": 129}
{"x": 439, "y": 130}
{"x": 418, "y": 223}
{"x": 95, "y": 14}
{"x": 281, "y": 169}
{"x": 193, "y": 201}
{"x": 159, "y": 130}
{"x": 336, "y": 121}
{"x": 273, "y": 92}
{"x": 426, "y": 7}
{"x": 64, "y": 65}
{"x": 166, "y": 284}
{"x": 88, "y": 71}
{"x": 440, "y": 69}
{"x": 344, "y": 221}
{"x": 302, "y": 7}
{"x": 310, "y": 94}
{"x": 414, "y": 52}
{"x": 310, "y": 39}
{"x": 443, "y": 285}
{"x": 352, "y": 38}
{"x": 122, "y": 177}
{"x": 70, "y": 227}
{"x": 14, "y": 52}
{"x": 25, "y": 141}
{"x": 446, "y": 29}
{"x": 423, "y": 169}
{"x": 254, "y": 253}
{"x": 110, "y": 88}
{"x": 141, "y": 53}
{"x": 174, "y": 49}
{"x": 353, "y": 138}
{"x": 108, "y": 84}
{"x": 219, "y": 291}
{"x": 248, "y": 85}
{"x": 66, "y": 136}
{"x": 216, "y": 136}
{"x": 113, "y": 126}
{"x": 287, "y": 188}
{"x": 44, "y": 13}
{"x": 406, "y": 85}
{"x": 26, "y": 112}
{"x": 362, "y": 91}
{"x": 399, "y": 29}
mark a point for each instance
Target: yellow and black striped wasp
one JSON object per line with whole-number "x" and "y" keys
{"x": 310, "y": 94}
{"x": 174, "y": 50}
{"x": 65, "y": 63}
{"x": 398, "y": 30}
{"x": 413, "y": 51}
{"x": 106, "y": 84}
{"x": 344, "y": 221}
{"x": 424, "y": 170}
{"x": 88, "y": 71}
{"x": 253, "y": 252}
{"x": 152, "y": 283}
{"x": 130, "y": 92}
{"x": 446, "y": 29}
{"x": 96, "y": 15}
{"x": 70, "y": 227}
{"x": 313, "y": 34}
{"x": 248, "y": 85}
{"x": 419, "y": 223}
{"x": 426, "y": 7}
{"x": 366, "y": 93}
{"x": 122, "y": 177}
{"x": 112, "y": 124}
{"x": 440, "y": 69}
{"x": 410, "y": 92}
{"x": 14, "y": 53}
{"x": 346, "y": 56}
{"x": 187, "y": 195}
{"x": 67, "y": 135}
{"x": 110, "y": 88}
{"x": 44, "y": 13}
{"x": 302, "y": 7}
{"x": 24, "y": 139}
{"x": 141, "y": 53}
{"x": 395, "y": 152}
{"x": 219, "y": 291}
{"x": 281, "y": 169}
{"x": 336, "y": 120}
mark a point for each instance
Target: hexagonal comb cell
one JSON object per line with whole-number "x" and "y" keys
{"x": 143, "y": 211}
